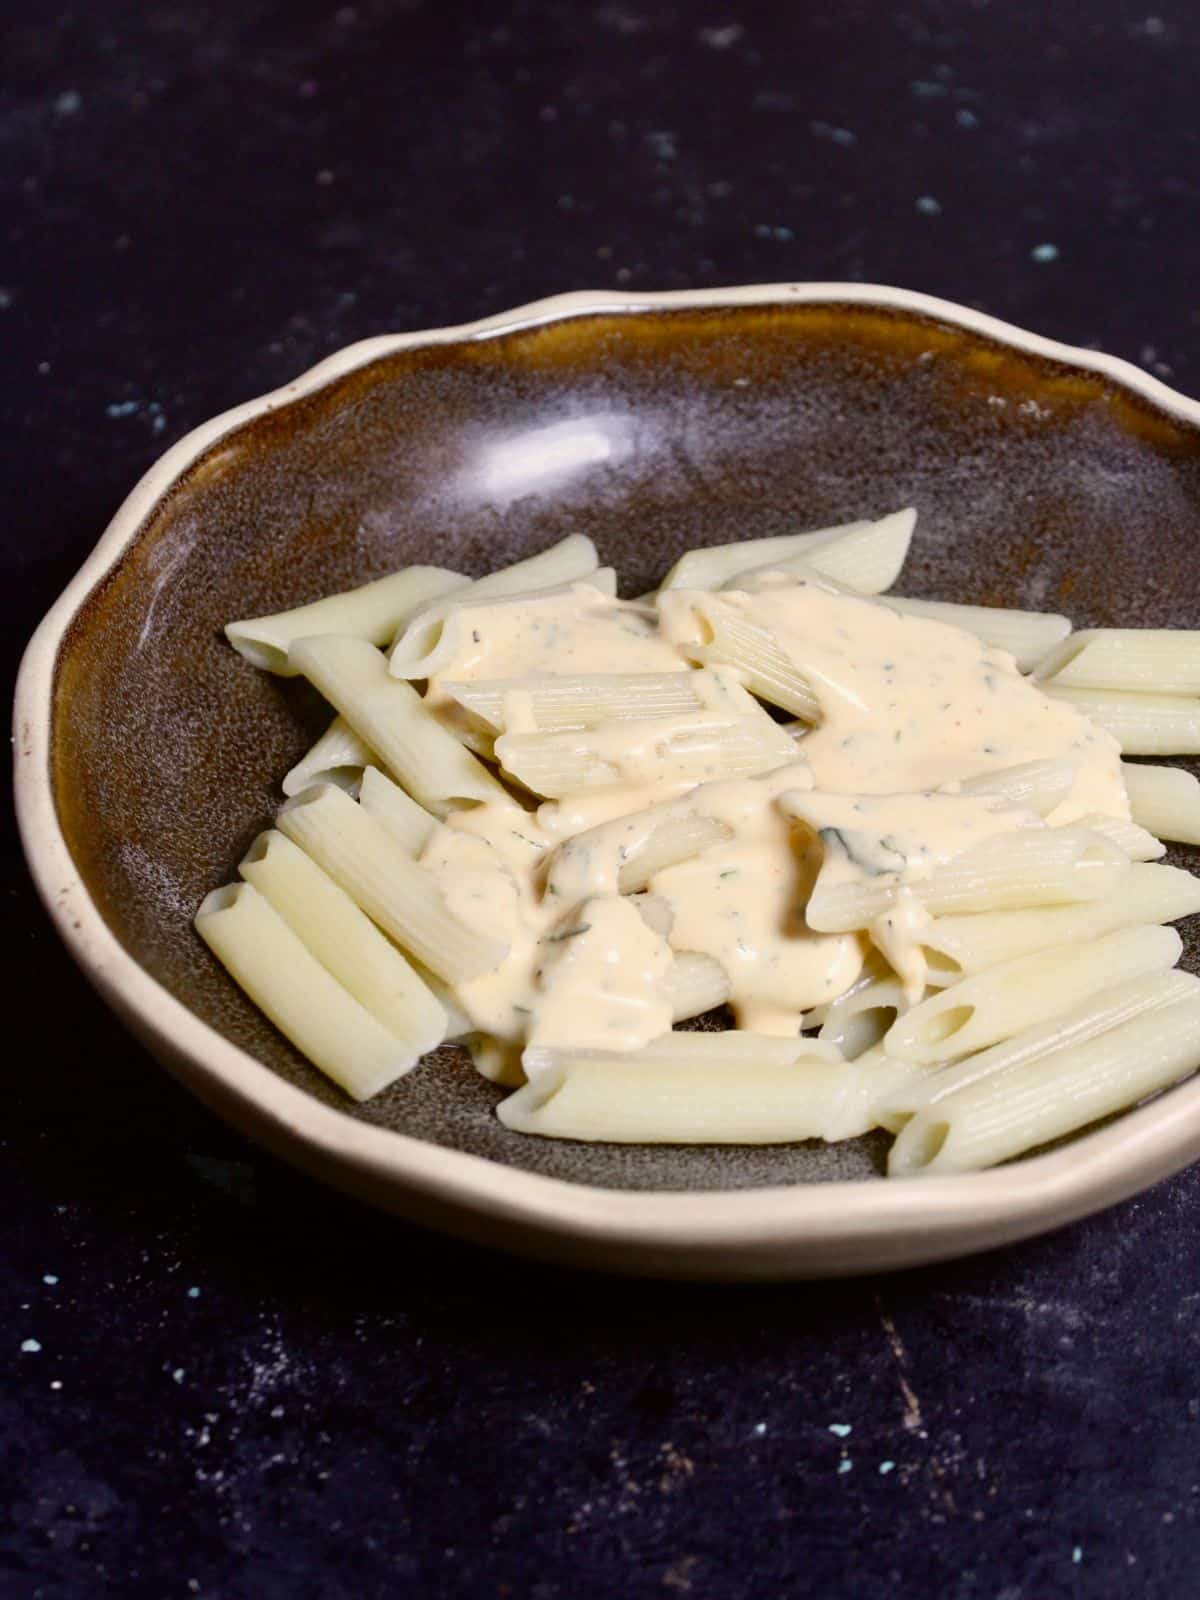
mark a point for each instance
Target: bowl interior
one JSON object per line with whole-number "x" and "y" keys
{"x": 1037, "y": 484}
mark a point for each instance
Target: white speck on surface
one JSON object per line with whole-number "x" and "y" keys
{"x": 663, "y": 144}
{"x": 842, "y": 1429}
{"x": 966, "y": 118}
{"x": 1077, "y": 1554}
{"x": 722, "y": 38}
{"x": 121, "y": 408}
{"x": 826, "y": 130}
{"x": 1044, "y": 253}
{"x": 193, "y": 1293}
{"x": 68, "y": 102}
{"x": 56, "y": 1383}
{"x": 928, "y": 206}
{"x": 324, "y": 177}
{"x": 30, "y": 1347}
{"x": 50, "y": 1277}
{"x": 927, "y": 89}
{"x": 6, "y": 298}
{"x": 178, "y": 1374}
{"x": 760, "y": 1428}
{"x": 43, "y": 368}
{"x": 885, "y": 1467}
{"x": 845, "y": 1465}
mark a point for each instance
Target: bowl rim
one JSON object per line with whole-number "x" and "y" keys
{"x": 468, "y": 1193}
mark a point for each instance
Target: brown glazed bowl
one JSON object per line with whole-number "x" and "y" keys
{"x": 149, "y": 753}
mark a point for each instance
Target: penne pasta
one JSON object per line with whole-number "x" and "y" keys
{"x": 1142, "y": 724}
{"x": 496, "y": 1060}
{"x": 572, "y": 559}
{"x": 997, "y": 1003}
{"x": 407, "y": 822}
{"x": 458, "y": 1023}
{"x": 1029, "y": 867}
{"x": 760, "y": 661}
{"x": 387, "y": 713}
{"x": 872, "y": 1082}
{"x": 961, "y": 946}
{"x": 1146, "y": 660}
{"x": 1013, "y": 1111}
{"x": 1025, "y": 635}
{"x": 1129, "y": 838}
{"x": 696, "y": 748}
{"x": 867, "y": 556}
{"x": 693, "y": 1099}
{"x": 858, "y": 1020}
{"x": 672, "y": 841}
{"x": 1165, "y": 800}
{"x": 696, "y": 984}
{"x": 384, "y": 881}
{"x": 374, "y": 613}
{"x": 1087, "y": 1019}
{"x": 289, "y": 985}
{"x": 339, "y": 756}
{"x": 553, "y": 704}
{"x": 983, "y": 979}
{"x": 1039, "y": 785}
{"x": 345, "y": 941}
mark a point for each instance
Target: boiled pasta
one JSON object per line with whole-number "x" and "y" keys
{"x": 552, "y": 824}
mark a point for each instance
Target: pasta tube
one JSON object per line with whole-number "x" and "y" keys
{"x": 407, "y": 822}
{"x": 338, "y": 756}
{"x": 1039, "y": 785}
{"x": 692, "y": 1099}
{"x": 1146, "y": 660}
{"x": 373, "y": 612}
{"x": 578, "y": 702}
{"x": 384, "y": 881}
{"x": 1165, "y": 800}
{"x": 1074, "y": 1024}
{"x": 1028, "y": 867}
{"x": 1026, "y": 635}
{"x": 961, "y": 946}
{"x": 388, "y": 714}
{"x": 1142, "y": 724}
{"x": 1010, "y": 1112}
{"x": 306, "y": 1003}
{"x": 573, "y": 558}
{"x": 1000, "y": 1002}
{"x": 695, "y": 984}
{"x": 345, "y": 941}
{"x": 866, "y": 556}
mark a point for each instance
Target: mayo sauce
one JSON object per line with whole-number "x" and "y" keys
{"x": 909, "y": 706}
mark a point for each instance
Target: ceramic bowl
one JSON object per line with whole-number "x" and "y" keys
{"x": 149, "y": 754}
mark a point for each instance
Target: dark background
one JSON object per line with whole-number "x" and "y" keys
{"x": 215, "y": 1378}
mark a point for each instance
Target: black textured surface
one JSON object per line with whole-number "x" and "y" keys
{"x": 221, "y": 1380}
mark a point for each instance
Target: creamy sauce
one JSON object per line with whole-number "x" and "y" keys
{"x": 909, "y": 706}
{"x": 559, "y": 634}
{"x": 900, "y": 839}
{"x": 742, "y": 903}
